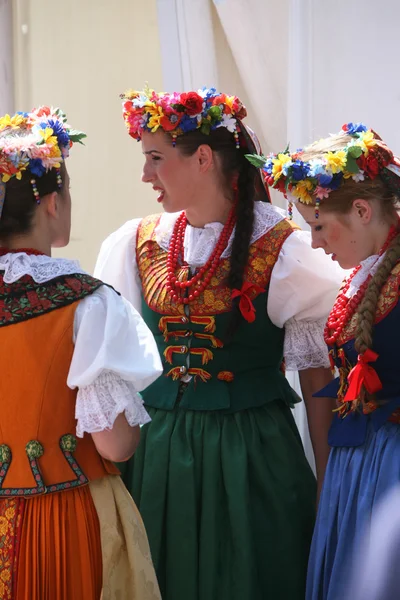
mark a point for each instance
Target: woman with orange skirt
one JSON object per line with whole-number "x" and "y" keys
{"x": 73, "y": 357}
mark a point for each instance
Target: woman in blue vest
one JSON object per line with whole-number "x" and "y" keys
{"x": 229, "y": 288}
{"x": 349, "y": 196}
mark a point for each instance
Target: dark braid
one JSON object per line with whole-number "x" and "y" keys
{"x": 367, "y": 310}
{"x": 241, "y": 240}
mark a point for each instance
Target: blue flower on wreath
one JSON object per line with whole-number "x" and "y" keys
{"x": 316, "y": 168}
{"x": 353, "y": 128}
{"x": 336, "y": 181}
{"x": 187, "y": 124}
{"x": 36, "y": 167}
{"x": 267, "y": 168}
{"x": 299, "y": 170}
{"x": 208, "y": 92}
{"x": 59, "y": 132}
{"x": 23, "y": 114}
{"x": 325, "y": 179}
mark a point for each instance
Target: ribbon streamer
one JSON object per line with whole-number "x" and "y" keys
{"x": 246, "y": 306}
{"x": 363, "y": 374}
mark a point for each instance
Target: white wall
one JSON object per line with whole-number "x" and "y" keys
{"x": 355, "y": 68}
{"x": 6, "y": 59}
{"x": 80, "y": 55}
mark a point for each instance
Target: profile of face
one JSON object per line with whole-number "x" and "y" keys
{"x": 57, "y": 206}
{"x": 177, "y": 179}
{"x": 348, "y": 238}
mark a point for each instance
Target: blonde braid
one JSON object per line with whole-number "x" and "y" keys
{"x": 367, "y": 310}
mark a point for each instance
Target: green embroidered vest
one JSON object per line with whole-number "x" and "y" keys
{"x": 242, "y": 373}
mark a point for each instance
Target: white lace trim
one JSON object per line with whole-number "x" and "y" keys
{"x": 41, "y": 268}
{"x": 99, "y": 404}
{"x": 200, "y": 242}
{"x": 304, "y": 346}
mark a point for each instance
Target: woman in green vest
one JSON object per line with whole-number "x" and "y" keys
{"x": 229, "y": 287}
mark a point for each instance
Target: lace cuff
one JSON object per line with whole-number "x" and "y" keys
{"x": 99, "y": 404}
{"x": 304, "y": 346}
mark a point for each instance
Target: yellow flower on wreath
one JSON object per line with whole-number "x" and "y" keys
{"x": 14, "y": 122}
{"x": 55, "y": 152}
{"x": 278, "y": 165}
{"x": 301, "y": 191}
{"x": 48, "y": 137}
{"x": 336, "y": 160}
{"x": 156, "y": 113}
{"x": 366, "y": 140}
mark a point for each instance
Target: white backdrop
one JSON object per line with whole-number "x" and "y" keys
{"x": 6, "y": 58}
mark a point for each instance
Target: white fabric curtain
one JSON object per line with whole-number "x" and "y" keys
{"x": 6, "y": 58}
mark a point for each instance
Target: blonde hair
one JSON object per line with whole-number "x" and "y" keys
{"x": 332, "y": 143}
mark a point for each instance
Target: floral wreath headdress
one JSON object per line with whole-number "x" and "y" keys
{"x": 179, "y": 113}
{"x": 34, "y": 142}
{"x": 310, "y": 181}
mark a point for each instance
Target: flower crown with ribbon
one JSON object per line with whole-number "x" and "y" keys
{"x": 310, "y": 181}
{"x": 179, "y": 113}
{"x": 34, "y": 142}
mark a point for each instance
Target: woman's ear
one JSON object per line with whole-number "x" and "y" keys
{"x": 362, "y": 209}
{"x": 50, "y": 204}
{"x": 205, "y": 157}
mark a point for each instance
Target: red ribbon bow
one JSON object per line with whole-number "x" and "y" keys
{"x": 246, "y": 306}
{"x": 363, "y": 375}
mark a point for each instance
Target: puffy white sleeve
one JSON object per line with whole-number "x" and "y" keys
{"x": 115, "y": 357}
{"x": 116, "y": 263}
{"x": 304, "y": 285}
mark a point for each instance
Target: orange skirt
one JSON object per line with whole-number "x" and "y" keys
{"x": 50, "y": 547}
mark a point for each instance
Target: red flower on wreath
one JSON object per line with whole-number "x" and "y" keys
{"x": 171, "y": 119}
{"x": 369, "y": 164}
{"x": 192, "y": 102}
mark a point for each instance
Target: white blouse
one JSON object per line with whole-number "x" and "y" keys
{"x": 303, "y": 286}
{"x": 115, "y": 355}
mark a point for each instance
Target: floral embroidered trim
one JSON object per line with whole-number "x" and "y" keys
{"x": 25, "y": 299}
{"x": 34, "y": 451}
{"x": 216, "y": 298}
{"x": 11, "y": 519}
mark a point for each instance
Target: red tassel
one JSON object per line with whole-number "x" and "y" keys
{"x": 246, "y": 306}
{"x": 363, "y": 375}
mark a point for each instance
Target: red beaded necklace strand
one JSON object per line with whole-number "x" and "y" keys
{"x": 176, "y": 250}
{"x": 33, "y": 251}
{"x": 344, "y": 307}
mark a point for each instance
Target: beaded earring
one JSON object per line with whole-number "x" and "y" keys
{"x": 317, "y": 203}
{"x": 35, "y": 191}
{"x": 59, "y": 179}
{"x": 174, "y": 140}
{"x": 290, "y": 210}
{"x": 236, "y": 136}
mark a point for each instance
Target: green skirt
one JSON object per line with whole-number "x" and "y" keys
{"x": 228, "y": 501}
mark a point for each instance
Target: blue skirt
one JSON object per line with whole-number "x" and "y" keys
{"x": 356, "y": 480}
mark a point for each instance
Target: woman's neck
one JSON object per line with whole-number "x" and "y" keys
{"x": 28, "y": 241}
{"x": 213, "y": 210}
